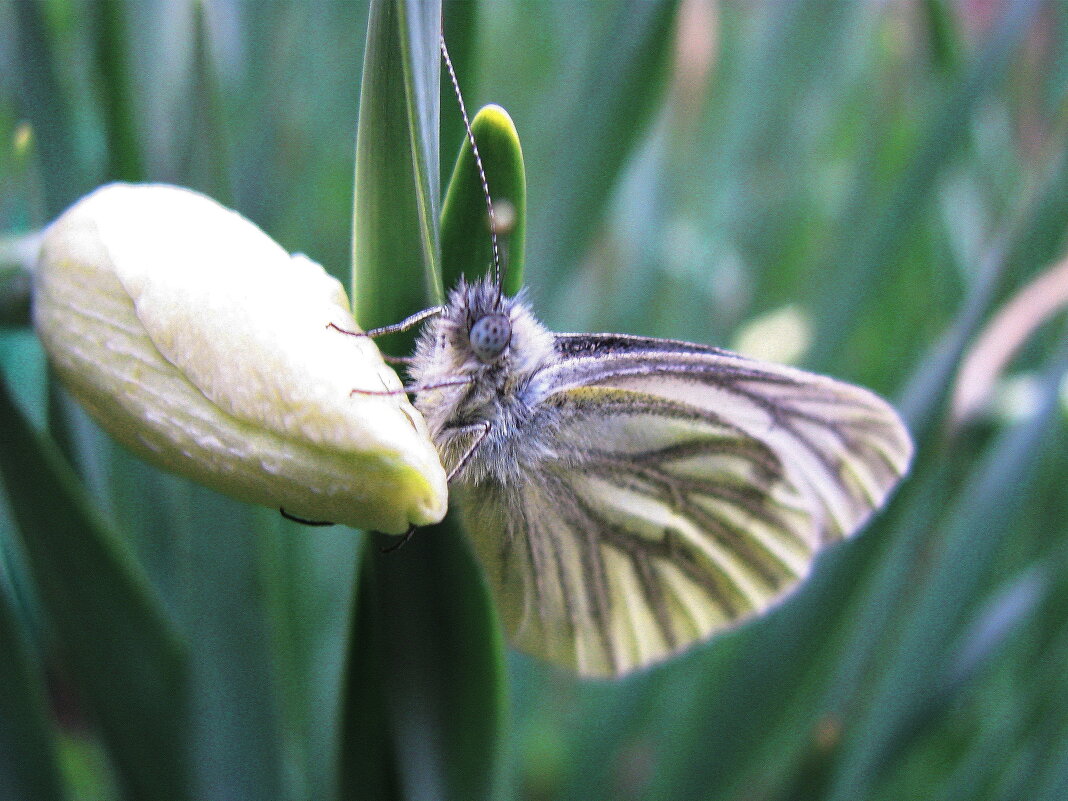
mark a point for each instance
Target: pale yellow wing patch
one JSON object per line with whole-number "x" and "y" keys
{"x": 689, "y": 489}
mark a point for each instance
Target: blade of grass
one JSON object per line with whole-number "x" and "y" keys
{"x": 309, "y": 584}
{"x": 237, "y": 702}
{"x": 28, "y": 760}
{"x": 104, "y": 613}
{"x": 1032, "y": 230}
{"x": 896, "y": 570}
{"x": 991, "y": 640}
{"x": 203, "y": 144}
{"x": 927, "y": 490}
{"x": 983, "y": 510}
{"x": 844, "y": 651}
{"x": 395, "y": 219}
{"x": 1043, "y": 710}
{"x": 110, "y": 52}
{"x": 368, "y": 760}
{"x": 425, "y": 680}
{"x": 44, "y": 103}
{"x": 923, "y": 407}
{"x": 944, "y": 41}
{"x": 462, "y": 35}
{"x": 890, "y": 571}
{"x": 444, "y": 679}
{"x": 873, "y": 230}
{"x": 611, "y": 100}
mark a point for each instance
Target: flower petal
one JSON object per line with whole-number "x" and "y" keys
{"x": 198, "y": 342}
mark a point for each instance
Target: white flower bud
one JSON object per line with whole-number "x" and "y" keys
{"x": 199, "y": 343}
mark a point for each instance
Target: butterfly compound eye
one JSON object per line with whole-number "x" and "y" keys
{"x": 489, "y": 336}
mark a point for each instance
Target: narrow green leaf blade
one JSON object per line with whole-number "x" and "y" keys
{"x": 425, "y": 706}
{"x": 44, "y": 101}
{"x": 620, "y": 90}
{"x": 103, "y": 611}
{"x": 202, "y": 141}
{"x": 395, "y": 218}
{"x": 875, "y": 229}
{"x": 110, "y": 52}
{"x": 309, "y": 578}
{"x": 444, "y": 669}
{"x": 28, "y": 766}
{"x": 962, "y": 555}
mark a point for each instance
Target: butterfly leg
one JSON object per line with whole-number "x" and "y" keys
{"x": 306, "y": 522}
{"x": 404, "y": 541}
{"x": 483, "y": 430}
{"x": 403, "y": 325}
{"x": 303, "y": 520}
{"x": 412, "y": 389}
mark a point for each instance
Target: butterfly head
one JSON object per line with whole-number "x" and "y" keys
{"x": 489, "y": 336}
{"x": 481, "y": 332}
{"x": 486, "y": 325}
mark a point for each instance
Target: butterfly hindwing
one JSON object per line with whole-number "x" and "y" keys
{"x": 689, "y": 488}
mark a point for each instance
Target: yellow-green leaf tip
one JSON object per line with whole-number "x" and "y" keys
{"x": 199, "y": 343}
{"x": 495, "y": 116}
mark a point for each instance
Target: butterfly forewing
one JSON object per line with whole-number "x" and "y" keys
{"x": 689, "y": 488}
{"x": 840, "y": 444}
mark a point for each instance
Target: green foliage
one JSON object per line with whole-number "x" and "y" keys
{"x": 894, "y": 172}
{"x": 466, "y": 247}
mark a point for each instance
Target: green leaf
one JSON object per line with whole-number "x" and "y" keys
{"x": 395, "y": 217}
{"x": 103, "y": 612}
{"x": 610, "y": 101}
{"x": 427, "y": 615}
{"x": 961, "y": 556}
{"x": 15, "y": 279}
{"x": 45, "y": 102}
{"x": 221, "y": 598}
{"x": 28, "y": 764}
{"x": 944, "y": 42}
{"x": 1034, "y": 222}
{"x": 425, "y": 707}
{"x": 460, "y": 24}
{"x": 110, "y": 52}
{"x": 203, "y": 149}
{"x": 864, "y": 249}
{"x": 466, "y": 246}
{"x": 308, "y": 578}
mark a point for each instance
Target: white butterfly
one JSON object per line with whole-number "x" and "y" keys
{"x": 629, "y": 496}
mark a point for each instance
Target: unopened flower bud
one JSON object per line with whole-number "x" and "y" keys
{"x": 199, "y": 343}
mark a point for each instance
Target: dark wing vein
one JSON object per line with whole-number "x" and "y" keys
{"x": 684, "y": 487}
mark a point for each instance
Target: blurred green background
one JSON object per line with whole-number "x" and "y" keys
{"x": 882, "y": 176}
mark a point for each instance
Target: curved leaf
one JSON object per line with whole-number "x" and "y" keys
{"x": 466, "y": 247}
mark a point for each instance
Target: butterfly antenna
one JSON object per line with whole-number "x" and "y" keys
{"x": 498, "y": 276}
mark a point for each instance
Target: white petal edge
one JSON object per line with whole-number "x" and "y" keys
{"x": 199, "y": 343}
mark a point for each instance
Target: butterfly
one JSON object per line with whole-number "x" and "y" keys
{"x": 630, "y": 496}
